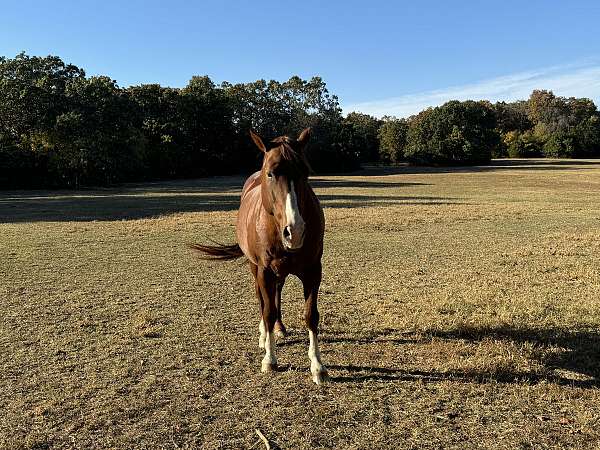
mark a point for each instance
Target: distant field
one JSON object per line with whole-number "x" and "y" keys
{"x": 460, "y": 309}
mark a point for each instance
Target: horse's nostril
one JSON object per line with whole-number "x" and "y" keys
{"x": 286, "y": 233}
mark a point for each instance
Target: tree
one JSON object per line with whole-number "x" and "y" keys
{"x": 544, "y": 107}
{"x": 560, "y": 144}
{"x": 566, "y": 127}
{"x": 207, "y": 128}
{"x": 157, "y": 113}
{"x": 454, "y": 133}
{"x": 61, "y": 128}
{"x": 32, "y": 96}
{"x": 95, "y": 141}
{"x": 273, "y": 109}
{"x": 588, "y": 136}
{"x": 392, "y": 139}
{"x": 363, "y": 135}
{"x": 522, "y": 144}
{"x": 32, "y": 90}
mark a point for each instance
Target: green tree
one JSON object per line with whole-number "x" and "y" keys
{"x": 566, "y": 127}
{"x": 95, "y": 142}
{"x": 32, "y": 90}
{"x": 512, "y": 120}
{"x": 32, "y": 96}
{"x": 560, "y": 144}
{"x": 157, "y": 112}
{"x": 512, "y": 117}
{"x": 392, "y": 139}
{"x": 588, "y": 136}
{"x": 207, "y": 127}
{"x": 273, "y": 108}
{"x": 364, "y": 135}
{"x": 454, "y": 133}
{"x": 522, "y": 144}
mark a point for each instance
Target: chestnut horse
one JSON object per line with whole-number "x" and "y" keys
{"x": 280, "y": 227}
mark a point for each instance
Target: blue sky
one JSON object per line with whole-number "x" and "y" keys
{"x": 380, "y": 57}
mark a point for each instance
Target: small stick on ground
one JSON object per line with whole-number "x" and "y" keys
{"x": 263, "y": 438}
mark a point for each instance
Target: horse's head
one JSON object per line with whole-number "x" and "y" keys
{"x": 284, "y": 177}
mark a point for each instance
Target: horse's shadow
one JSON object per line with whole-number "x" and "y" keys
{"x": 574, "y": 361}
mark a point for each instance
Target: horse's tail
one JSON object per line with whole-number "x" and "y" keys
{"x": 219, "y": 252}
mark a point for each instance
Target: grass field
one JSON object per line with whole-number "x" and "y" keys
{"x": 460, "y": 309}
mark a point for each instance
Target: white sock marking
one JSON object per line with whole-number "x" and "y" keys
{"x": 270, "y": 359}
{"x": 316, "y": 366}
{"x": 263, "y": 335}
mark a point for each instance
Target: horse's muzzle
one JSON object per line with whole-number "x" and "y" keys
{"x": 292, "y": 236}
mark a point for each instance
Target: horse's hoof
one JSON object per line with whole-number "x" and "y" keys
{"x": 267, "y": 367}
{"x": 321, "y": 376}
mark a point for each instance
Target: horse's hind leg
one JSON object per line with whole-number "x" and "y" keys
{"x": 311, "y": 280}
{"x": 261, "y": 325}
{"x": 279, "y": 328}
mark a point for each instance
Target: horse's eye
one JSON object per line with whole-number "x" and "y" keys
{"x": 270, "y": 174}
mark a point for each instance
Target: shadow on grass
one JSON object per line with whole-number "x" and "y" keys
{"x": 353, "y": 184}
{"x": 576, "y": 363}
{"x": 98, "y": 206}
{"x": 136, "y": 201}
{"x": 383, "y": 335}
{"x": 136, "y": 204}
{"x": 366, "y": 373}
{"x": 579, "y": 349}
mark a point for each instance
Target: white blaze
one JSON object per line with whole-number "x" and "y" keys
{"x": 292, "y": 213}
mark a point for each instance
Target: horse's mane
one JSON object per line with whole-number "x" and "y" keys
{"x": 284, "y": 143}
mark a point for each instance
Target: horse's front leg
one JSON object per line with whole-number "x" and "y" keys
{"x": 279, "y": 330}
{"x": 311, "y": 280}
{"x": 266, "y": 281}
{"x": 261, "y": 325}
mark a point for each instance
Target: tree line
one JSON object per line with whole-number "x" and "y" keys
{"x": 61, "y": 128}
{"x": 466, "y": 132}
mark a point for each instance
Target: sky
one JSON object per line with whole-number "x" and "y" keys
{"x": 378, "y": 57}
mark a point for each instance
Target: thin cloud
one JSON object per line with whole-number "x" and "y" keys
{"x": 569, "y": 81}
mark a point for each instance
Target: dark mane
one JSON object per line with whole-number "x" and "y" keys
{"x": 284, "y": 143}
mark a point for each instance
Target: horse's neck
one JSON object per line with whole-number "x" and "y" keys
{"x": 252, "y": 182}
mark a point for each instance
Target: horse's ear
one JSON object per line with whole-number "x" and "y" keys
{"x": 258, "y": 141}
{"x": 304, "y": 137}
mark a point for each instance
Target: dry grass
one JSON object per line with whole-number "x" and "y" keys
{"x": 459, "y": 309}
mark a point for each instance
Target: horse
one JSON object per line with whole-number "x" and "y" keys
{"x": 280, "y": 228}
